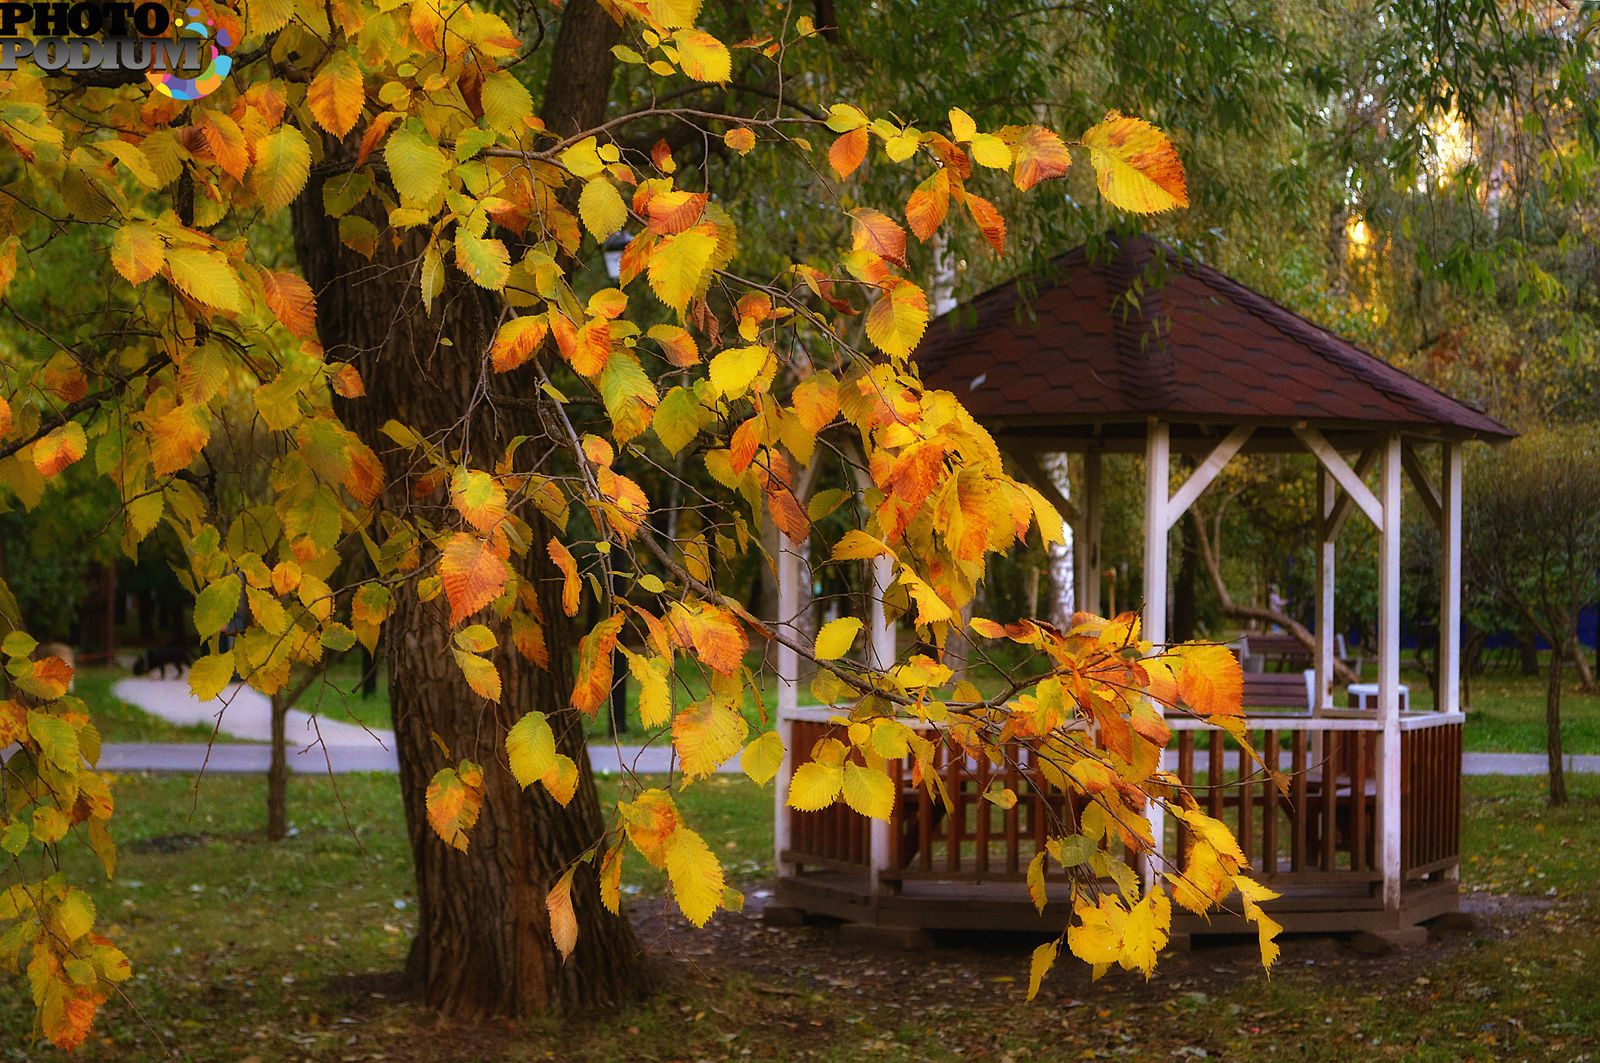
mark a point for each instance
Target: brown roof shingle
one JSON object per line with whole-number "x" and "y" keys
{"x": 1139, "y": 331}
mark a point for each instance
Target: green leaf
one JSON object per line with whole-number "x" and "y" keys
{"x": 18, "y": 644}
{"x": 531, "y": 748}
{"x": 416, "y": 166}
{"x": 57, "y": 740}
{"x": 678, "y": 419}
{"x": 868, "y": 791}
{"x": 216, "y": 605}
{"x": 486, "y": 261}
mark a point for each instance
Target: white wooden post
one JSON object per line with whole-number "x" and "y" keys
{"x": 1450, "y": 579}
{"x": 881, "y": 632}
{"x": 789, "y": 597}
{"x": 1328, "y": 497}
{"x": 1089, "y": 548}
{"x": 1157, "y": 471}
{"x": 1388, "y": 781}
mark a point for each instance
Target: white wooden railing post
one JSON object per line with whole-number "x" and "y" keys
{"x": 1450, "y": 579}
{"x": 790, "y": 572}
{"x": 880, "y": 630}
{"x": 1328, "y": 497}
{"x": 1089, "y": 549}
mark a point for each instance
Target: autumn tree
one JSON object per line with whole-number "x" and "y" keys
{"x": 458, "y": 394}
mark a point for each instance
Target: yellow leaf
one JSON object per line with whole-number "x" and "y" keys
{"x": 481, "y": 675}
{"x": 563, "y": 920}
{"x": 59, "y": 449}
{"x": 898, "y": 318}
{"x": 857, "y": 545}
{"x": 137, "y": 252}
{"x": 1036, "y": 880}
{"x": 472, "y": 573}
{"x": 739, "y": 139}
{"x": 1209, "y": 679}
{"x": 1096, "y": 938}
{"x": 337, "y": 95}
{"x": 1145, "y": 932}
{"x": 205, "y": 277}
{"x": 680, "y": 265}
{"x": 1136, "y": 165}
{"x": 486, "y": 261}
{"x": 843, "y": 117}
{"x": 506, "y": 102}
{"x": 763, "y": 757}
{"x": 611, "y": 880}
{"x": 989, "y": 150}
{"x": 962, "y": 125}
{"x": 815, "y": 785}
{"x": 697, "y": 881}
{"x": 655, "y": 694}
{"x": 1044, "y": 958}
{"x": 601, "y": 208}
{"x": 868, "y": 791}
{"x": 210, "y": 674}
{"x": 706, "y": 735}
{"x": 531, "y": 748}
{"x": 562, "y": 780}
{"x": 702, "y": 56}
{"x": 735, "y": 369}
{"x": 836, "y": 638}
{"x": 283, "y": 163}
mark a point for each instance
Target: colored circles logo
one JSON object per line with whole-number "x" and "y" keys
{"x": 174, "y": 83}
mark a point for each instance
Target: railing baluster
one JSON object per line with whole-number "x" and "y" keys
{"x": 1269, "y": 805}
{"x": 1299, "y": 813}
{"x": 1331, "y": 747}
{"x": 982, "y": 807}
{"x": 1014, "y": 781}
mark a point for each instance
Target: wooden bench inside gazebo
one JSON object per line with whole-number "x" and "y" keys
{"x": 1127, "y": 348}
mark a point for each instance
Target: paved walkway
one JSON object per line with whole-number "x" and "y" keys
{"x": 320, "y": 745}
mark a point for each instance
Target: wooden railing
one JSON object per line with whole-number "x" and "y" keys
{"x": 1321, "y": 831}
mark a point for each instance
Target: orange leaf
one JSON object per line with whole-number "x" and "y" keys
{"x": 989, "y": 220}
{"x": 651, "y": 819}
{"x": 292, "y": 302}
{"x": 926, "y": 208}
{"x": 177, "y": 436}
{"x": 848, "y": 152}
{"x": 628, "y": 507}
{"x": 517, "y": 341}
{"x": 226, "y": 141}
{"x": 527, "y": 635}
{"x": 472, "y": 573}
{"x": 675, "y": 210}
{"x": 369, "y": 140}
{"x": 1040, "y": 156}
{"x": 454, "y": 799}
{"x": 876, "y": 232}
{"x": 740, "y": 139}
{"x": 477, "y": 497}
{"x": 569, "y": 588}
{"x": 712, "y": 633}
{"x": 346, "y": 381}
{"x": 59, "y": 449}
{"x": 1209, "y": 678}
{"x": 677, "y": 344}
{"x": 816, "y": 401}
{"x": 592, "y": 688}
{"x": 563, "y": 919}
{"x": 336, "y": 94}
{"x": 364, "y": 478}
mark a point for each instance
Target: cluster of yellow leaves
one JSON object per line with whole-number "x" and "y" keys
{"x": 52, "y": 788}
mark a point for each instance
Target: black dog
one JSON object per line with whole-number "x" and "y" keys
{"x": 159, "y": 657}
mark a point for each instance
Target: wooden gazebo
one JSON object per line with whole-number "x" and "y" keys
{"x": 1125, "y": 347}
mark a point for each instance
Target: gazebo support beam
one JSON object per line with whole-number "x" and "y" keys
{"x": 1450, "y": 580}
{"x": 1334, "y": 462}
{"x": 1086, "y": 548}
{"x": 1157, "y": 473}
{"x": 1205, "y": 473}
{"x": 789, "y": 575}
{"x": 1327, "y": 551}
{"x": 1389, "y": 674}
{"x": 1423, "y": 484}
{"x": 1334, "y": 523}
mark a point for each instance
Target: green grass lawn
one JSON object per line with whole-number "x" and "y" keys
{"x": 245, "y": 950}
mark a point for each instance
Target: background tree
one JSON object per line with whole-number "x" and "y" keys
{"x": 1533, "y": 520}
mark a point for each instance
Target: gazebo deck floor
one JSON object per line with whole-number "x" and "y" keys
{"x": 1005, "y": 906}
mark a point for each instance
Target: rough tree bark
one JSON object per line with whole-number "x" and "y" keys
{"x": 483, "y": 944}
{"x": 1342, "y": 672}
{"x": 1552, "y": 724}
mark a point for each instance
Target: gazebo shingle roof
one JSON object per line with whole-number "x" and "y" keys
{"x": 1137, "y": 331}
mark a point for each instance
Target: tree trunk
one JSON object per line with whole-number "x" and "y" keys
{"x": 483, "y": 944}
{"x": 1580, "y": 661}
{"x": 1528, "y": 651}
{"x": 278, "y": 772}
{"x": 1552, "y": 726}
